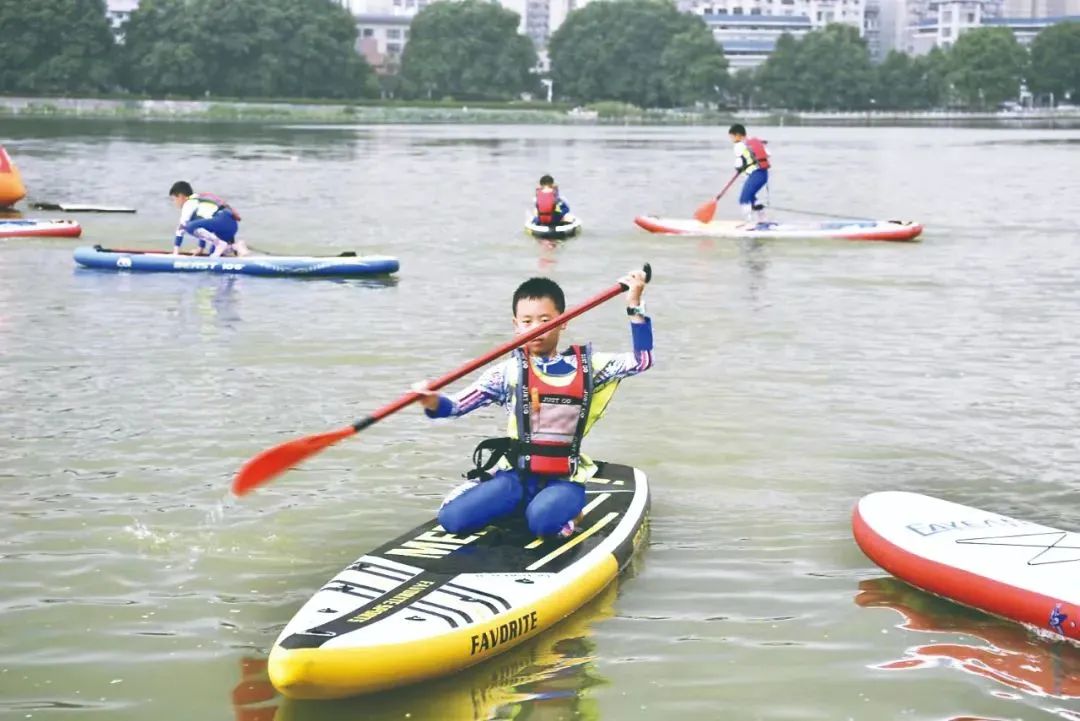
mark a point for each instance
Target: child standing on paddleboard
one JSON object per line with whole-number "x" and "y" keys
{"x": 553, "y": 398}
{"x": 752, "y": 159}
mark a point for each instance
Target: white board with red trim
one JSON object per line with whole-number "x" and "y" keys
{"x": 1016, "y": 569}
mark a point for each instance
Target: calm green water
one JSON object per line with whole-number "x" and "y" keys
{"x": 791, "y": 379}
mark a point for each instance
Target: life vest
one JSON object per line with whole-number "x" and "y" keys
{"x": 547, "y": 201}
{"x": 756, "y": 146}
{"x": 545, "y": 430}
{"x": 551, "y": 419}
{"x": 213, "y": 205}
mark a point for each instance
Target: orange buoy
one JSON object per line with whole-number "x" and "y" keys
{"x": 11, "y": 185}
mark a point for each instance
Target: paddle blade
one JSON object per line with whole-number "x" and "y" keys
{"x": 705, "y": 213}
{"x": 280, "y": 458}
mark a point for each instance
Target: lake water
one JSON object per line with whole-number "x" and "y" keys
{"x": 791, "y": 378}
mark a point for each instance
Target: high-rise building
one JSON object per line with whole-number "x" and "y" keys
{"x": 938, "y": 23}
{"x": 748, "y": 29}
{"x": 872, "y": 29}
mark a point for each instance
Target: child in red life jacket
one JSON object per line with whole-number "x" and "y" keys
{"x": 552, "y": 398}
{"x": 750, "y": 158}
{"x": 550, "y": 208}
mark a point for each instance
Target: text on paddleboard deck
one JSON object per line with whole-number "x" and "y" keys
{"x": 434, "y": 543}
{"x": 931, "y": 529}
{"x": 396, "y": 600}
{"x": 503, "y": 633}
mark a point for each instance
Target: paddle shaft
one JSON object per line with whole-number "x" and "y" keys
{"x": 503, "y": 349}
{"x": 729, "y": 184}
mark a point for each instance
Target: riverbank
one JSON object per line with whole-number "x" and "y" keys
{"x": 492, "y": 113}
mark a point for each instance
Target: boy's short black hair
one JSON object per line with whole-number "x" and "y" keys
{"x": 540, "y": 288}
{"x": 181, "y": 187}
{"x": 547, "y": 180}
{"x": 737, "y": 129}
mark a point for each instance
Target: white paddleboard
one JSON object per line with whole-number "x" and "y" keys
{"x": 894, "y": 230}
{"x": 81, "y": 208}
{"x": 1012, "y": 568}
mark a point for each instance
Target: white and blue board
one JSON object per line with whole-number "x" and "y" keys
{"x": 1012, "y": 568}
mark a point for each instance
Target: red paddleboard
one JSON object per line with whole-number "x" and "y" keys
{"x": 19, "y": 228}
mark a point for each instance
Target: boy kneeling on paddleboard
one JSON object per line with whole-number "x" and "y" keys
{"x": 552, "y": 399}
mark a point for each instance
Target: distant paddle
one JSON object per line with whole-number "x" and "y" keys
{"x": 274, "y": 461}
{"x": 705, "y": 213}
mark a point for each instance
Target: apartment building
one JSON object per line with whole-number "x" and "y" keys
{"x": 748, "y": 29}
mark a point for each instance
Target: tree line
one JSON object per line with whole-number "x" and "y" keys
{"x": 641, "y": 52}
{"x": 830, "y": 69}
{"x": 188, "y": 48}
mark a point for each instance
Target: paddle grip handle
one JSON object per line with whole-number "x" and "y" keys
{"x": 648, "y": 276}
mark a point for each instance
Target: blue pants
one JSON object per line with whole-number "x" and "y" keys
{"x": 223, "y": 225}
{"x": 753, "y": 185}
{"x": 547, "y": 508}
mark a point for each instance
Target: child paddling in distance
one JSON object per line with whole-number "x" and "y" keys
{"x": 752, "y": 159}
{"x": 550, "y": 208}
{"x": 207, "y": 217}
{"x": 553, "y": 398}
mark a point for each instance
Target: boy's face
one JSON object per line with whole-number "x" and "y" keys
{"x": 178, "y": 200}
{"x": 734, "y": 138}
{"x": 531, "y": 312}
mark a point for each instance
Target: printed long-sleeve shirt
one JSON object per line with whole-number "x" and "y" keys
{"x": 494, "y": 385}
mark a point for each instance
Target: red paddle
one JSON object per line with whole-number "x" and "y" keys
{"x": 276, "y": 460}
{"x": 705, "y": 213}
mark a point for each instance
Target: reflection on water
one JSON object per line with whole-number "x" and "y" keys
{"x": 999, "y": 650}
{"x": 540, "y": 680}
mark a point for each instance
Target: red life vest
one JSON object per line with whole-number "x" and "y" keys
{"x": 756, "y": 146}
{"x": 547, "y": 200}
{"x": 551, "y": 419}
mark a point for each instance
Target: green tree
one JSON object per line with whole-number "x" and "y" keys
{"x": 897, "y": 88}
{"x": 245, "y": 48}
{"x": 933, "y": 74}
{"x": 468, "y": 50}
{"x": 55, "y": 46}
{"x": 836, "y": 68}
{"x": 780, "y": 76}
{"x": 986, "y": 66}
{"x": 695, "y": 67}
{"x": 1055, "y": 61}
{"x": 743, "y": 90}
{"x": 160, "y": 56}
{"x": 643, "y": 52}
{"x": 906, "y": 83}
{"x": 827, "y": 69}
